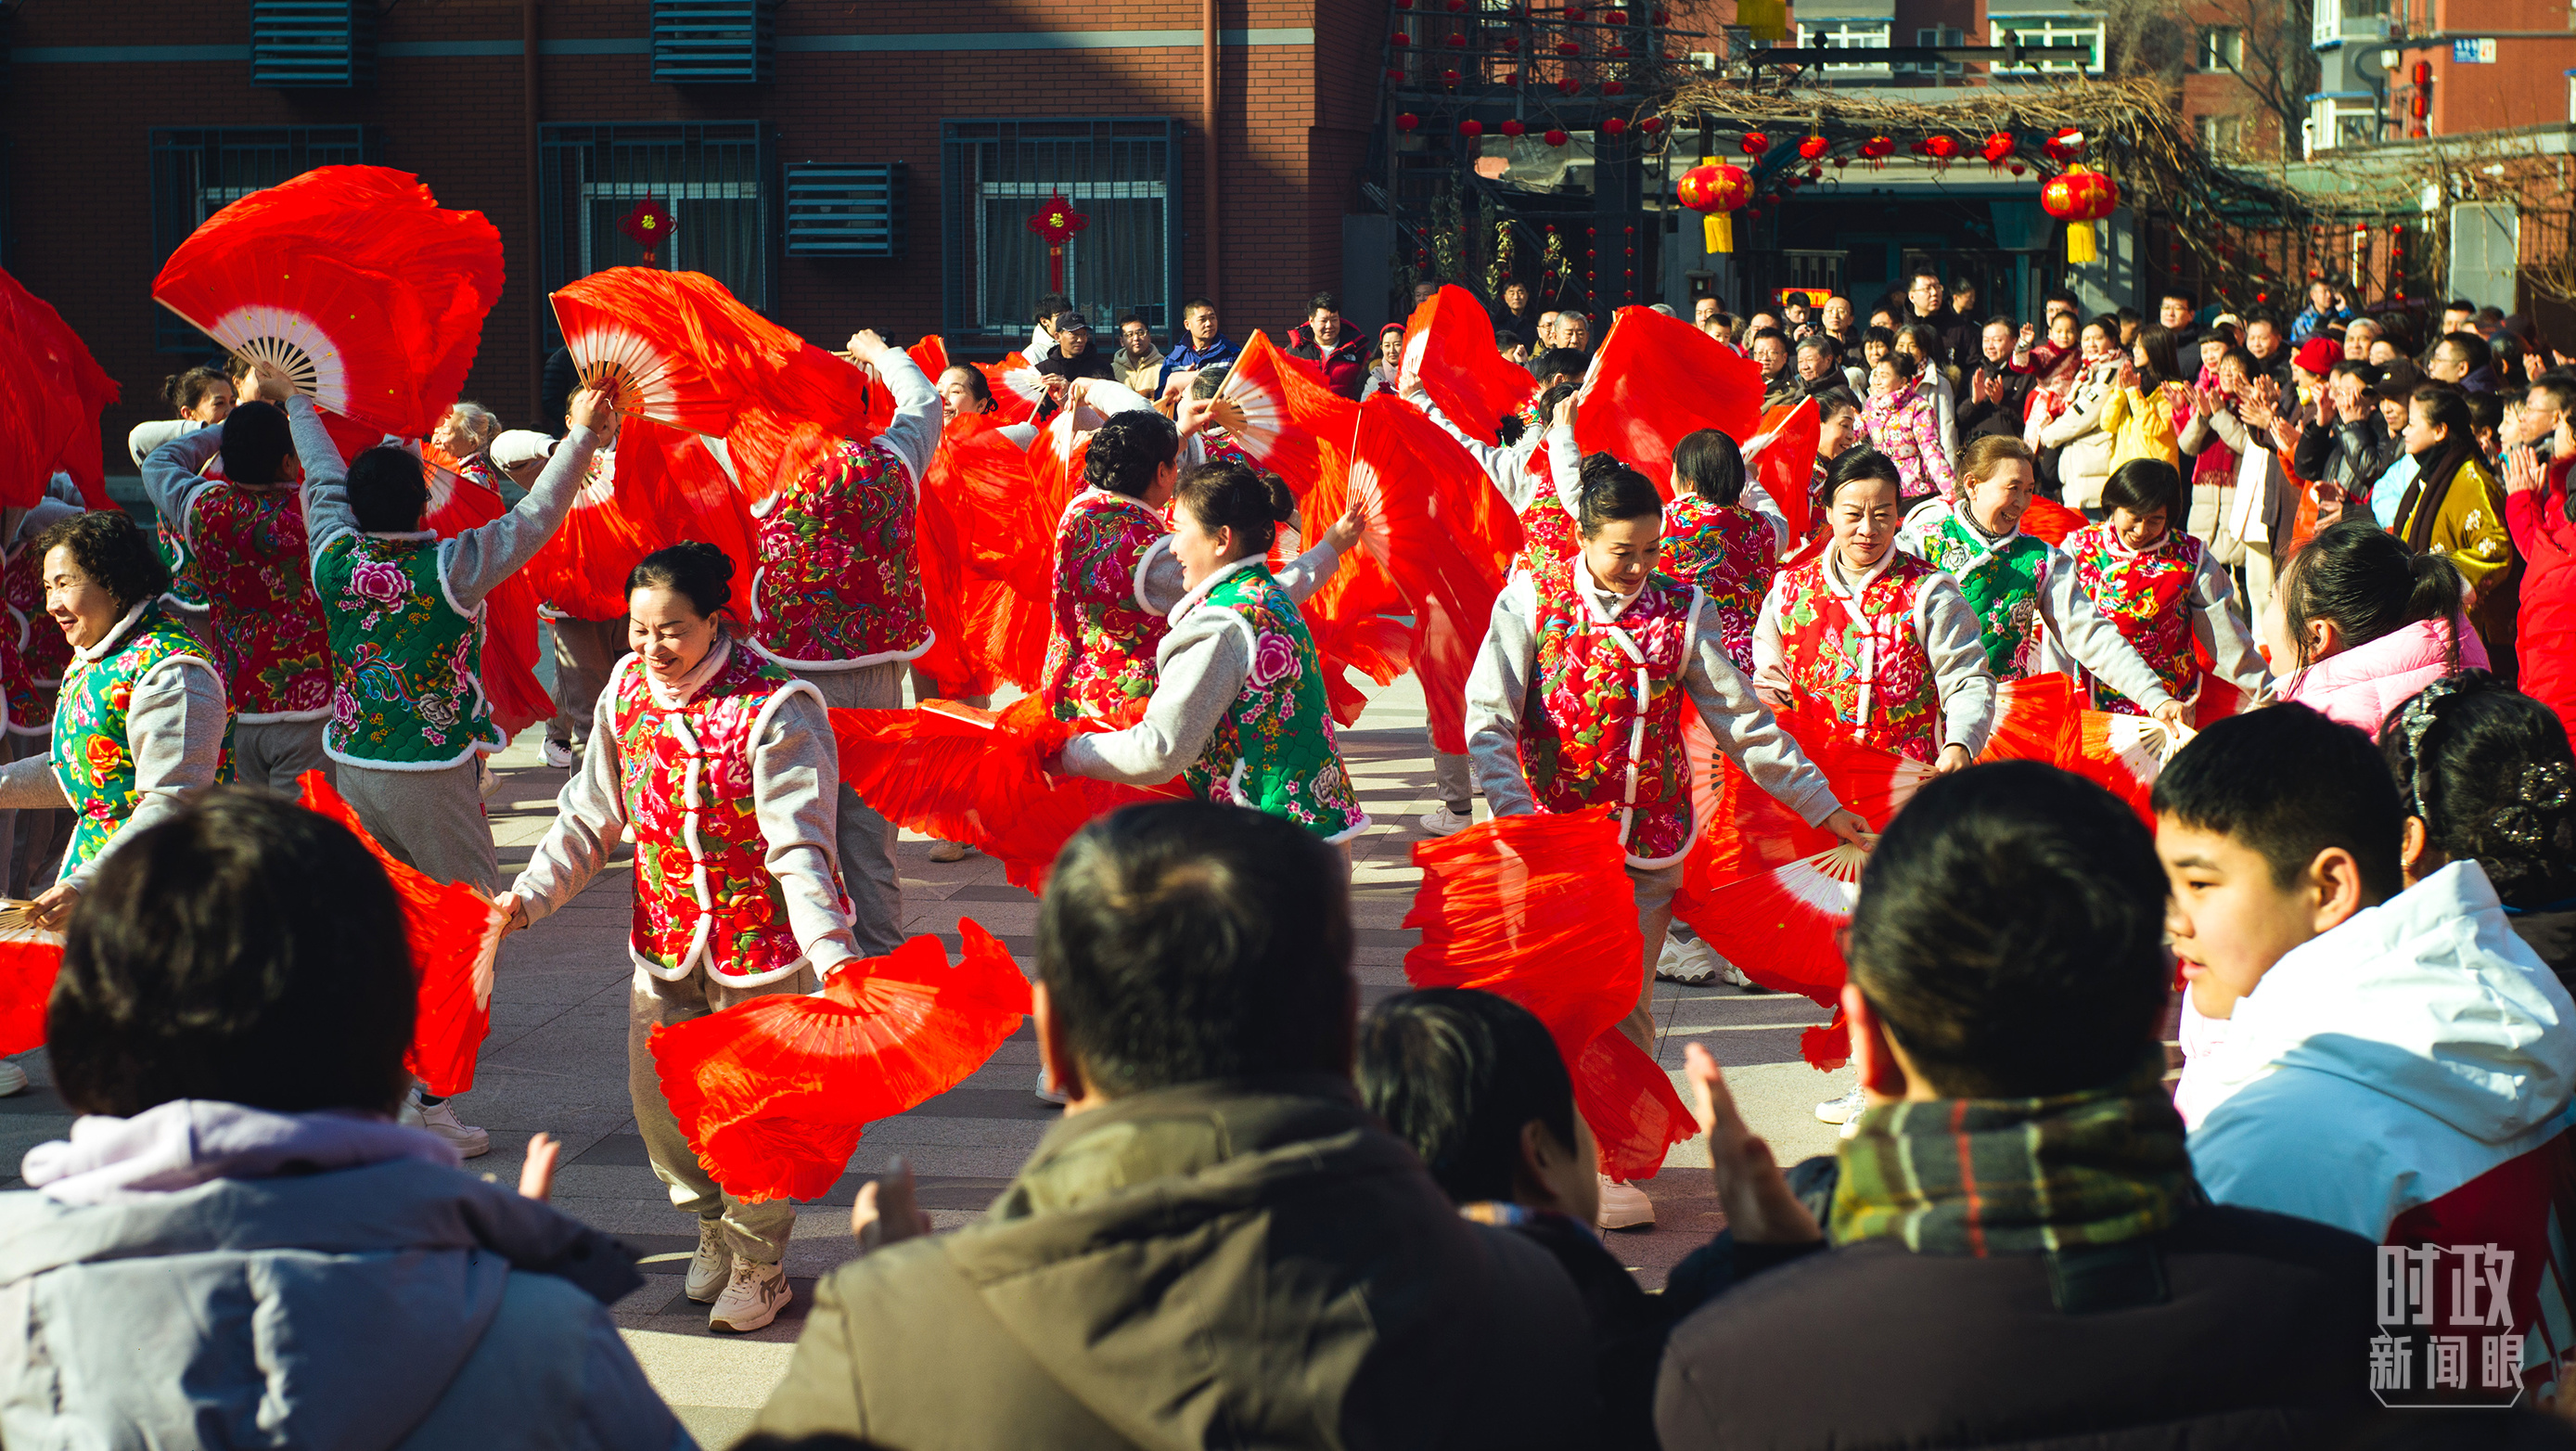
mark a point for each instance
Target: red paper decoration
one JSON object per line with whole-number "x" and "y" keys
{"x": 1999, "y": 148}
{"x": 2065, "y": 146}
{"x": 1407, "y": 122}
{"x": 648, "y": 226}
{"x": 1555, "y": 137}
{"x": 1755, "y": 143}
{"x": 1613, "y": 127}
{"x": 1471, "y": 129}
{"x": 1813, "y": 148}
{"x": 1513, "y": 129}
{"x": 1057, "y": 222}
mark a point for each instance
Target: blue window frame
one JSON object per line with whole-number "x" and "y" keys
{"x": 1124, "y": 173}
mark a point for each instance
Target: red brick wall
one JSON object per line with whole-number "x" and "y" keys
{"x": 1293, "y": 125}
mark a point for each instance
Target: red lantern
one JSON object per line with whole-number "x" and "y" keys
{"x": 1814, "y": 148}
{"x": 2018, "y": 168}
{"x": 1513, "y": 129}
{"x": 1999, "y": 148}
{"x": 1574, "y": 13}
{"x": 1449, "y": 78}
{"x": 1878, "y": 149}
{"x": 1651, "y": 125}
{"x": 1613, "y": 88}
{"x": 1511, "y": 44}
{"x": 1614, "y": 17}
{"x": 1663, "y": 17}
{"x": 2079, "y": 198}
{"x": 1408, "y": 121}
{"x": 1815, "y": 173}
{"x": 1614, "y": 127}
{"x": 1396, "y": 74}
{"x": 1399, "y": 38}
{"x": 1457, "y": 5}
{"x": 1713, "y": 192}
{"x": 1568, "y": 87}
{"x": 1555, "y": 138}
{"x": 1457, "y": 38}
{"x": 1567, "y": 47}
{"x": 1942, "y": 148}
{"x": 1755, "y": 143}
{"x": 1471, "y": 129}
{"x": 1403, "y": 4}
{"x": 1917, "y": 147}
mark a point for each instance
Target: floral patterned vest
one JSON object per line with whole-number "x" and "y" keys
{"x": 1603, "y": 725}
{"x": 1863, "y": 662}
{"x": 92, "y": 757}
{"x": 1727, "y": 552}
{"x": 2148, "y": 595}
{"x": 1100, "y": 654}
{"x": 269, "y": 636}
{"x": 186, "y": 590}
{"x": 703, "y": 893}
{"x": 407, "y": 666}
{"x": 839, "y": 581}
{"x": 1549, "y": 534}
{"x": 33, "y": 652}
{"x": 1275, "y": 750}
{"x": 2002, "y": 584}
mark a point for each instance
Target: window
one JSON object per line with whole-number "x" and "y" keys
{"x": 197, "y": 172}
{"x": 1121, "y": 173}
{"x": 1847, "y": 35}
{"x": 709, "y": 174}
{"x": 2079, "y": 36}
{"x": 2222, "y": 135}
{"x": 1932, "y": 36}
{"x": 2222, "y": 48}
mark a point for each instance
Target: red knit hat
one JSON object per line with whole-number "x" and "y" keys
{"x": 2319, "y": 355}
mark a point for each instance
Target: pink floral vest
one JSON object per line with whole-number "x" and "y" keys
{"x": 703, "y": 893}
{"x": 1727, "y": 552}
{"x": 839, "y": 581}
{"x": 270, "y": 638}
{"x": 1869, "y": 671}
{"x": 33, "y": 652}
{"x": 2149, "y": 597}
{"x": 1591, "y": 686}
{"x": 1100, "y": 653}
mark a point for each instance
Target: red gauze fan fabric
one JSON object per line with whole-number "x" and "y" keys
{"x": 2034, "y": 717}
{"x": 986, "y": 543}
{"x": 1353, "y": 615}
{"x": 2050, "y": 520}
{"x": 1629, "y": 1101}
{"x": 1279, "y": 411}
{"x": 2124, "y": 754}
{"x": 961, "y": 774}
{"x": 1011, "y": 403}
{"x": 660, "y": 486}
{"x": 62, "y": 404}
{"x": 454, "y": 931}
{"x": 1449, "y": 350}
{"x": 1783, "y": 459}
{"x": 774, "y": 1093}
{"x": 1656, "y": 380}
{"x": 672, "y": 345}
{"x": 1750, "y": 832}
{"x": 353, "y": 280}
{"x": 1780, "y": 927}
{"x": 30, "y": 959}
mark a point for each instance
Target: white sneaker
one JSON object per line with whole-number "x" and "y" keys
{"x": 1048, "y": 1092}
{"x": 440, "y": 1118}
{"x": 1624, "y": 1206}
{"x": 711, "y": 1265}
{"x": 1686, "y": 960}
{"x": 559, "y": 754}
{"x": 13, "y": 1079}
{"x": 1441, "y": 821}
{"x": 751, "y": 1299}
{"x": 1842, "y": 1110}
{"x": 948, "y": 851}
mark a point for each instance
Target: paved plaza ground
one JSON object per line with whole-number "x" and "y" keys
{"x": 556, "y": 1062}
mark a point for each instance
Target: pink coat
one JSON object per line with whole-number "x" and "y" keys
{"x": 2360, "y": 686}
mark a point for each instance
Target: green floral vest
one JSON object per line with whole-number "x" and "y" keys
{"x": 93, "y": 759}
{"x": 406, "y": 665}
{"x": 1275, "y": 750}
{"x": 2002, "y": 585}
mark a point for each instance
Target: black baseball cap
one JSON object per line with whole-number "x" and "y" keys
{"x": 1066, "y": 320}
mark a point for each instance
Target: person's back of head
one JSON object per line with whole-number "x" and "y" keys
{"x": 387, "y": 490}
{"x": 256, "y": 442}
{"x": 1560, "y": 363}
{"x": 1709, "y": 464}
{"x": 2486, "y": 776}
{"x": 1475, "y": 1084}
{"x": 1128, "y": 451}
{"x": 249, "y": 951}
{"x": 2355, "y": 583}
{"x": 2009, "y": 935}
{"x": 1186, "y": 942}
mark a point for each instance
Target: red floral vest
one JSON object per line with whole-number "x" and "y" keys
{"x": 1100, "y": 653}
{"x": 2149, "y": 597}
{"x": 1603, "y": 726}
{"x": 1870, "y": 672}
{"x": 33, "y": 652}
{"x": 1727, "y": 552}
{"x": 270, "y": 638}
{"x": 703, "y": 892}
{"x": 839, "y": 581}
{"x": 1549, "y": 534}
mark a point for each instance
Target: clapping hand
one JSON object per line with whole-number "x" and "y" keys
{"x": 2523, "y": 472}
{"x": 886, "y": 1211}
{"x": 1751, "y": 1190}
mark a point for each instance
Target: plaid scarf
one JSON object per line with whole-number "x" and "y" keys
{"x": 2016, "y": 1175}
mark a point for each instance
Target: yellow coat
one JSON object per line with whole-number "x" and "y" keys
{"x": 2141, "y": 426}
{"x": 2469, "y": 528}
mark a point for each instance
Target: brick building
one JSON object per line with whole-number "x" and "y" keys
{"x": 838, "y": 165}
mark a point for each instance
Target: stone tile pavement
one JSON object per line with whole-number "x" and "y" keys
{"x": 556, "y": 1062}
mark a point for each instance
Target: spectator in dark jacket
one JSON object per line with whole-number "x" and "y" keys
{"x": 2343, "y": 443}
{"x": 1994, "y": 397}
{"x": 2019, "y": 1253}
{"x": 1326, "y": 341}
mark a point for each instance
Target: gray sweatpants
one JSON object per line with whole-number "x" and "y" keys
{"x": 1655, "y": 890}
{"x": 585, "y": 651}
{"x": 866, "y": 839}
{"x": 1453, "y": 780}
{"x": 275, "y": 754}
{"x": 432, "y": 820}
{"x": 757, "y": 1232}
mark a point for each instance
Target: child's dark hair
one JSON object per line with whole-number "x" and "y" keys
{"x": 1560, "y": 363}
{"x": 692, "y": 567}
{"x": 1901, "y": 364}
{"x": 2489, "y": 771}
{"x": 1708, "y": 463}
{"x": 2145, "y": 486}
{"x": 2365, "y": 580}
{"x": 184, "y": 391}
{"x": 386, "y": 490}
{"x": 2010, "y": 933}
{"x": 1857, "y": 463}
{"x": 111, "y": 550}
{"x": 255, "y": 443}
{"x": 1127, "y": 452}
{"x": 2289, "y": 783}
{"x": 1458, "y": 1074}
{"x": 1230, "y": 494}
{"x": 1613, "y": 491}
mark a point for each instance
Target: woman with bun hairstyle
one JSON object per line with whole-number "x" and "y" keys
{"x": 2358, "y": 624}
{"x": 2487, "y": 777}
{"x": 2162, "y": 588}
{"x": 723, "y": 765}
{"x": 1238, "y": 707}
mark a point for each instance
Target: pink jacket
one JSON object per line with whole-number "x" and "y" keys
{"x": 2362, "y": 685}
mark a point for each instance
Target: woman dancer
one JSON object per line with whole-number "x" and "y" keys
{"x": 1720, "y": 539}
{"x": 2162, "y": 589}
{"x": 722, "y": 764}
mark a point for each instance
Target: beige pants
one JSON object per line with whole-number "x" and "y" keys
{"x": 585, "y": 651}
{"x": 1655, "y": 887}
{"x": 866, "y": 839}
{"x": 757, "y": 1232}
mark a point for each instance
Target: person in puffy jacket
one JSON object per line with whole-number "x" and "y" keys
{"x": 2544, "y": 534}
{"x": 2358, "y": 624}
{"x": 238, "y": 1246}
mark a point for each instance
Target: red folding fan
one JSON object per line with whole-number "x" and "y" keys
{"x": 1781, "y": 927}
{"x": 1629, "y": 1101}
{"x": 1449, "y": 350}
{"x": 30, "y": 959}
{"x": 675, "y": 346}
{"x": 2124, "y": 753}
{"x": 2034, "y": 719}
{"x": 1783, "y": 458}
{"x": 1281, "y": 413}
{"x": 1532, "y": 908}
{"x": 961, "y": 774}
{"x": 60, "y": 412}
{"x": 1657, "y": 379}
{"x": 353, "y": 280}
{"x": 660, "y": 485}
{"x": 454, "y": 932}
{"x": 987, "y": 548}
{"x": 2050, "y": 520}
{"x": 1016, "y": 387}
{"x": 775, "y": 1092}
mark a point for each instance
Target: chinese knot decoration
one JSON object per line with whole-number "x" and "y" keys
{"x": 648, "y": 226}
{"x": 1057, "y": 221}
{"x": 1713, "y": 189}
{"x": 2079, "y": 198}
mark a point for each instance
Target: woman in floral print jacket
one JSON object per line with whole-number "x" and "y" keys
{"x": 1899, "y": 421}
